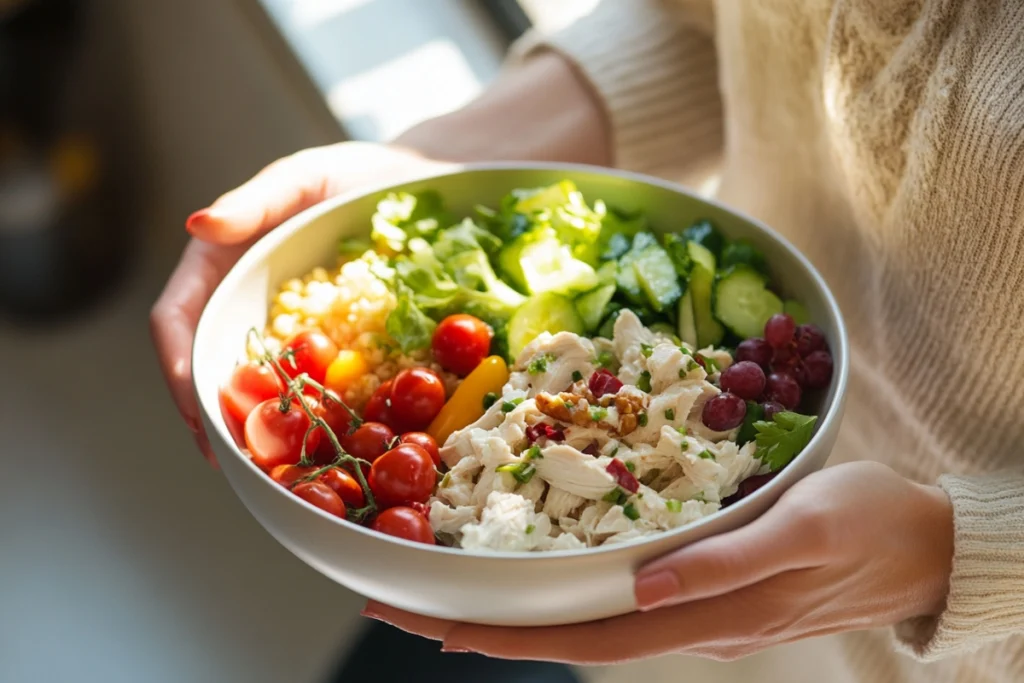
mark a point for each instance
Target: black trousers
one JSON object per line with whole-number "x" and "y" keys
{"x": 384, "y": 654}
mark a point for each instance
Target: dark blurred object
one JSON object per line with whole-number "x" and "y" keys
{"x": 62, "y": 236}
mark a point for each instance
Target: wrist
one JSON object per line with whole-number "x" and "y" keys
{"x": 936, "y": 541}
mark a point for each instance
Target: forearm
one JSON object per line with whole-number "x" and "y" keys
{"x": 540, "y": 110}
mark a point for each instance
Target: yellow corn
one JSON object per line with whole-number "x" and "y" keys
{"x": 348, "y": 367}
{"x": 467, "y": 403}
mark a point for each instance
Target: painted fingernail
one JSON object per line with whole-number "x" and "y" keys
{"x": 192, "y": 424}
{"x": 653, "y": 590}
{"x": 196, "y": 220}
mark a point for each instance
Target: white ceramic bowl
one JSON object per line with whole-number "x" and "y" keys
{"x": 516, "y": 589}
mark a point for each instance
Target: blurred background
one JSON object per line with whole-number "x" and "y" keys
{"x": 123, "y": 557}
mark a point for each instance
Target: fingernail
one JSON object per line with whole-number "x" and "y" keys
{"x": 195, "y": 222}
{"x": 192, "y": 424}
{"x": 653, "y": 590}
{"x": 367, "y": 612}
{"x": 455, "y": 649}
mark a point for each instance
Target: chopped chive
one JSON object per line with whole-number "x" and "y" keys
{"x": 646, "y": 350}
{"x": 490, "y": 398}
{"x": 445, "y": 480}
{"x": 630, "y": 466}
{"x": 530, "y": 528}
{"x": 673, "y": 505}
{"x": 642, "y": 419}
{"x": 630, "y": 511}
{"x": 615, "y": 451}
{"x": 683, "y": 430}
{"x": 710, "y": 366}
{"x": 616, "y": 496}
{"x": 539, "y": 364}
{"x": 605, "y": 359}
{"x": 597, "y": 413}
{"x": 533, "y": 452}
{"x": 685, "y": 351}
{"x": 683, "y": 372}
{"x": 644, "y": 383}
{"x": 509, "y": 406}
{"x": 670, "y": 414}
{"x": 706, "y": 455}
{"x": 521, "y": 471}
{"x": 577, "y": 375}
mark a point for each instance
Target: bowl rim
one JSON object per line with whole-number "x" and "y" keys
{"x": 268, "y": 242}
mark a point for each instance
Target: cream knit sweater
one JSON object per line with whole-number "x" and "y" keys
{"x": 885, "y": 138}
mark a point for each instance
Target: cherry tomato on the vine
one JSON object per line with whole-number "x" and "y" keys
{"x": 322, "y": 496}
{"x": 404, "y": 522}
{"x": 309, "y": 352}
{"x": 424, "y": 441}
{"x": 333, "y": 412}
{"x": 274, "y": 436}
{"x": 378, "y": 408}
{"x": 460, "y": 342}
{"x": 369, "y": 442}
{"x": 345, "y": 485}
{"x": 286, "y": 475}
{"x": 417, "y": 396}
{"x": 403, "y": 475}
{"x": 250, "y": 385}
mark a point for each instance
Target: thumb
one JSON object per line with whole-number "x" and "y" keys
{"x": 278, "y": 192}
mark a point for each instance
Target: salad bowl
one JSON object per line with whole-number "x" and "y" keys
{"x": 496, "y": 588}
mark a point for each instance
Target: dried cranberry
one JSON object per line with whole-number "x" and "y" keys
{"x": 623, "y": 476}
{"x": 592, "y": 449}
{"x": 604, "y": 382}
{"x": 544, "y": 430}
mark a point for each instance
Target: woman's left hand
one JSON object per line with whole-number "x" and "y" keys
{"x": 852, "y": 547}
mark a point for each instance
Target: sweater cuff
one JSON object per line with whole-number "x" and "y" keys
{"x": 986, "y": 592}
{"x": 657, "y": 78}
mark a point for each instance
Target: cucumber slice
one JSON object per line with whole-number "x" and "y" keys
{"x": 510, "y": 258}
{"x": 657, "y": 277}
{"x": 591, "y": 305}
{"x": 607, "y": 272}
{"x": 796, "y": 311}
{"x": 687, "y": 324}
{"x": 546, "y": 312}
{"x": 607, "y": 329}
{"x": 743, "y": 301}
{"x": 706, "y": 234}
{"x": 702, "y": 280}
{"x": 627, "y": 278}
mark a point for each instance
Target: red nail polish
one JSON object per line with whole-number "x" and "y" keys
{"x": 194, "y": 219}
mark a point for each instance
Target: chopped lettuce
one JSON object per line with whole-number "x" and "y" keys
{"x": 408, "y": 325}
{"x": 401, "y": 215}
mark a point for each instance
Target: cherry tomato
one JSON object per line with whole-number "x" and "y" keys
{"x": 331, "y": 411}
{"x": 404, "y": 522}
{"x": 460, "y": 342}
{"x": 250, "y": 385}
{"x": 322, "y": 496}
{"x": 378, "y": 408}
{"x": 235, "y": 427}
{"x": 424, "y": 441}
{"x": 416, "y": 398}
{"x": 403, "y": 475}
{"x": 286, "y": 475}
{"x": 309, "y": 352}
{"x": 345, "y": 485}
{"x": 275, "y": 437}
{"x": 369, "y": 442}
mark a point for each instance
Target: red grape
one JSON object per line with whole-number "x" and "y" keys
{"x": 783, "y": 389}
{"x": 752, "y": 484}
{"x": 817, "y": 370}
{"x": 724, "y": 412}
{"x": 779, "y": 329}
{"x": 809, "y": 338}
{"x": 770, "y": 408}
{"x": 745, "y": 379}
{"x": 785, "y": 359}
{"x": 755, "y": 350}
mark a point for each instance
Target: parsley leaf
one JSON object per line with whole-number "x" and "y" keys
{"x": 630, "y": 511}
{"x": 780, "y": 440}
{"x": 644, "y": 383}
{"x": 539, "y": 364}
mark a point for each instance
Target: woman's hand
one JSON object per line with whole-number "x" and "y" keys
{"x": 229, "y": 226}
{"x": 852, "y": 547}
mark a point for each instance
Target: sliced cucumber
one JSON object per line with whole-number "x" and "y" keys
{"x": 546, "y": 312}
{"x": 591, "y": 306}
{"x": 510, "y": 258}
{"x": 607, "y": 272}
{"x": 627, "y": 278}
{"x": 706, "y": 235}
{"x": 702, "y": 280}
{"x": 657, "y": 277}
{"x": 607, "y": 329}
{"x": 743, "y": 302}
{"x": 796, "y": 311}
{"x": 687, "y": 324}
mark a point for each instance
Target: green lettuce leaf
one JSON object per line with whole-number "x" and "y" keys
{"x": 408, "y": 325}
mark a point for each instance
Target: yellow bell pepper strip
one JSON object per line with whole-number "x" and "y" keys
{"x": 467, "y": 403}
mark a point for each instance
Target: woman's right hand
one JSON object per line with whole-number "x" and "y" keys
{"x": 224, "y": 230}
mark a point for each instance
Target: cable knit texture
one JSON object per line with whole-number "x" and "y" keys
{"x": 885, "y": 138}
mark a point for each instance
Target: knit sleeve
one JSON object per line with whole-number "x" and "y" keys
{"x": 986, "y": 595}
{"x": 652, "y": 63}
